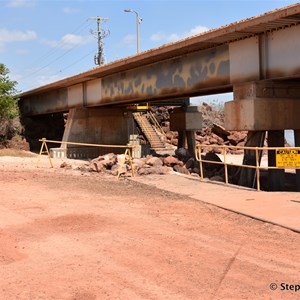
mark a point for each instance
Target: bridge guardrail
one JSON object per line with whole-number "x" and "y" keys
{"x": 294, "y": 163}
{"x": 127, "y": 154}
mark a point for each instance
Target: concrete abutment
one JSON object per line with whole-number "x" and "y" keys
{"x": 265, "y": 106}
{"x": 105, "y": 126}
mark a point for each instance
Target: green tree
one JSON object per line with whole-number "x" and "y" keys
{"x": 8, "y": 102}
{"x": 9, "y": 112}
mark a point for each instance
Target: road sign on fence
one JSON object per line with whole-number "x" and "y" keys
{"x": 287, "y": 158}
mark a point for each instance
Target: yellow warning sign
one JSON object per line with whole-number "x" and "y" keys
{"x": 287, "y": 158}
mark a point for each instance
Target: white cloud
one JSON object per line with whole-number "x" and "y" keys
{"x": 160, "y": 36}
{"x": 20, "y": 3}
{"x": 69, "y": 41}
{"x": 70, "y": 10}
{"x": 9, "y": 36}
{"x": 197, "y": 30}
{"x": 156, "y": 37}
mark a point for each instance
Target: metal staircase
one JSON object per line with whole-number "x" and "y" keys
{"x": 149, "y": 129}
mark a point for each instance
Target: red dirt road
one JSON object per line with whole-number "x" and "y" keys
{"x": 68, "y": 236}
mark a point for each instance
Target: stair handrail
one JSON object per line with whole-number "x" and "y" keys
{"x": 138, "y": 116}
{"x": 156, "y": 124}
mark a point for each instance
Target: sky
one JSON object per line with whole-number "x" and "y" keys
{"x": 42, "y": 41}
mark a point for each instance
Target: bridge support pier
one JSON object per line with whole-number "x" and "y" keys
{"x": 186, "y": 120}
{"x": 108, "y": 126}
{"x": 186, "y": 139}
{"x": 247, "y": 175}
{"x": 266, "y": 106}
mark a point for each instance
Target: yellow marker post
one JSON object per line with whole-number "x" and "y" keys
{"x": 200, "y": 161}
{"x": 44, "y": 144}
{"x": 225, "y": 165}
{"x": 127, "y": 153}
{"x": 257, "y": 169}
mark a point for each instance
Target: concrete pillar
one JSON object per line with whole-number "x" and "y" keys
{"x": 108, "y": 126}
{"x": 247, "y": 175}
{"x": 186, "y": 139}
{"x": 191, "y": 141}
{"x": 182, "y": 142}
{"x": 275, "y": 177}
{"x": 297, "y": 144}
{"x": 186, "y": 120}
{"x": 263, "y": 105}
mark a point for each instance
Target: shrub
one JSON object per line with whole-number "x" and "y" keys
{"x": 9, "y": 111}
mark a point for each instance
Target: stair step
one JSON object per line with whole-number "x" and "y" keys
{"x": 150, "y": 133}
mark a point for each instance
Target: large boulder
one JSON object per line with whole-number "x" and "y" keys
{"x": 181, "y": 170}
{"x": 138, "y": 163}
{"x": 190, "y": 164}
{"x": 154, "y": 161}
{"x": 145, "y": 171}
{"x": 220, "y": 131}
{"x": 182, "y": 154}
{"x": 171, "y": 161}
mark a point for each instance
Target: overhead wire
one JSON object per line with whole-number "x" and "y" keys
{"x": 77, "y": 61}
{"x": 54, "y": 60}
{"x": 60, "y": 44}
{"x": 63, "y": 42}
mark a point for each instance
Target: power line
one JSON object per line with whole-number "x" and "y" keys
{"x": 59, "y": 45}
{"x": 74, "y": 63}
{"x": 53, "y": 61}
{"x": 77, "y": 61}
{"x": 100, "y": 34}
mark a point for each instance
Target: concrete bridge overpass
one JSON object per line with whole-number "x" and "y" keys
{"x": 257, "y": 59}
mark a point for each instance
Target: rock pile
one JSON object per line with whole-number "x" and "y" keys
{"x": 212, "y": 133}
{"x": 182, "y": 162}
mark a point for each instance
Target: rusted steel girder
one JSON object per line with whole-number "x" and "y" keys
{"x": 174, "y": 78}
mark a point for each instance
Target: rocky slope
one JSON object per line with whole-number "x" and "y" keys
{"x": 212, "y": 132}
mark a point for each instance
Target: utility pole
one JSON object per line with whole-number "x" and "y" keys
{"x": 99, "y": 34}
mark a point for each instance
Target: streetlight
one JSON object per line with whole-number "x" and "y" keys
{"x": 138, "y": 22}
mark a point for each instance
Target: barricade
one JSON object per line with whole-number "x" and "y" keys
{"x": 127, "y": 155}
{"x": 281, "y": 162}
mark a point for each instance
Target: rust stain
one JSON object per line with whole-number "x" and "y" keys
{"x": 174, "y": 77}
